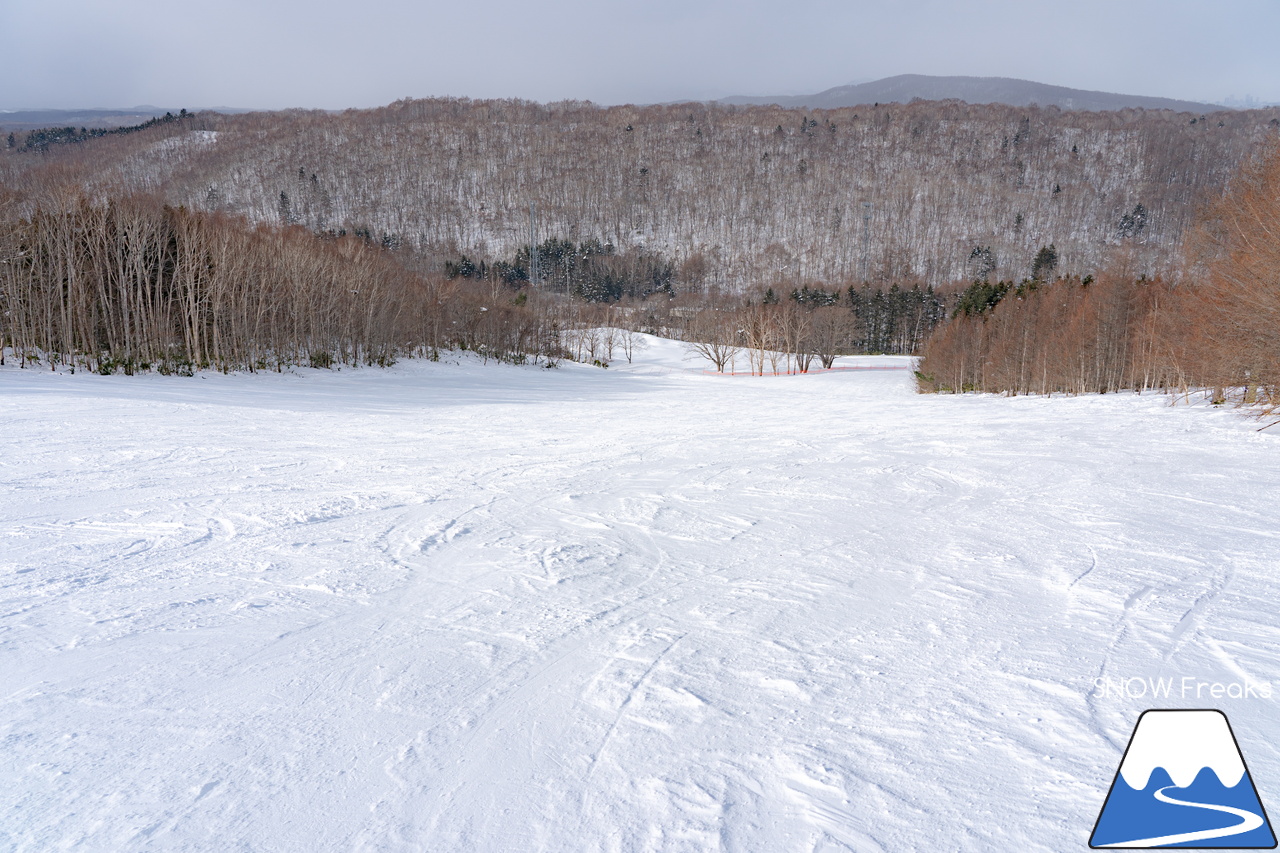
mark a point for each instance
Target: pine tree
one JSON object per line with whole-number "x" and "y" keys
{"x": 1132, "y": 223}
{"x": 1045, "y": 263}
{"x": 286, "y": 209}
{"x": 982, "y": 261}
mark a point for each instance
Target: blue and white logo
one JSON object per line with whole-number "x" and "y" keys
{"x": 1183, "y": 783}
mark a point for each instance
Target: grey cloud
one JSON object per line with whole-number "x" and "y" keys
{"x": 72, "y": 53}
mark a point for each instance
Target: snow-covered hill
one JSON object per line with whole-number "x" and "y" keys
{"x": 488, "y": 608}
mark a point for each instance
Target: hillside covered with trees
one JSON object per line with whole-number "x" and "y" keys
{"x": 733, "y": 197}
{"x": 1214, "y": 323}
{"x": 1020, "y": 250}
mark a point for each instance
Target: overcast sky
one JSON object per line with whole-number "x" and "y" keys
{"x": 322, "y": 53}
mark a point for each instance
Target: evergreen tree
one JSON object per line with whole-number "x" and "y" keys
{"x": 1132, "y": 223}
{"x": 1045, "y": 263}
{"x": 980, "y": 297}
{"x": 982, "y": 262}
{"x": 285, "y": 208}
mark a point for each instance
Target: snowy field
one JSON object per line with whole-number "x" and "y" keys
{"x": 485, "y": 608}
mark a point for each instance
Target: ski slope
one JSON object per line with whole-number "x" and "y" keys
{"x": 454, "y": 606}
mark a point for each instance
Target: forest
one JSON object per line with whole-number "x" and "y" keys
{"x": 1214, "y": 323}
{"x": 734, "y": 197}
{"x": 136, "y": 284}
{"x": 1018, "y": 250}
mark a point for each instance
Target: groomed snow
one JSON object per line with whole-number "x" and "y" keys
{"x": 486, "y": 608}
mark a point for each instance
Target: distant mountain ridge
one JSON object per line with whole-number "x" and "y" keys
{"x": 94, "y": 119}
{"x": 975, "y": 90}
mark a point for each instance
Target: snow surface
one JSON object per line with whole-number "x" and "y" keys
{"x": 467, "y": 607}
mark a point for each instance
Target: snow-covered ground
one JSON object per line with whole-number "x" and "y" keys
{"x": 462, "y": 607}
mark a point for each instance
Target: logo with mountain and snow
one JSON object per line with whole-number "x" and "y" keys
{"x": 1183, "y": 783}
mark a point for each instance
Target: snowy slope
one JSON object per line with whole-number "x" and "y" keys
{"x": 464, "y": 607}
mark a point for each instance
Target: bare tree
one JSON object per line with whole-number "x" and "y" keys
{"x": 758, "y": 334}
{"x": 713, "y": 335}
{"x": 1234, "y": 292}
{"x": 830, "y": 334}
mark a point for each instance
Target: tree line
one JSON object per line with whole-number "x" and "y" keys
{"x": 42, "y": 138}
{"x": 1214, "y": 324}
{"x": 136, "y": 284}
{"x": 592, "y": 270}
{"x": 873, "y": 319}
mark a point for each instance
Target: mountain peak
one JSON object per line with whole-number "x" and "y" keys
{"x": 904, "y": 88}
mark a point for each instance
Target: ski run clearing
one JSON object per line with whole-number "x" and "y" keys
{"x": 463, "y": 607}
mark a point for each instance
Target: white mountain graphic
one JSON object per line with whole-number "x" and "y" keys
{"x": 1183, "y": 743}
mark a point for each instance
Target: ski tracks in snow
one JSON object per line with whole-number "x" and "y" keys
{"x": 445, "y": 609}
